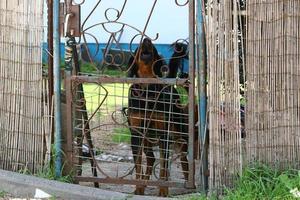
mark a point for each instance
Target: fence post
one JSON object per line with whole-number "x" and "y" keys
{"x": 202, "y": 91}
{"x": 57, "y": 89}
{"x": 191, "y": 178}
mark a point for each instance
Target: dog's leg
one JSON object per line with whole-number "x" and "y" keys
{"x": 184, "y": 161}
{"x": 136, "y": 147}
{"x": 137, "y": 157}
{"x": 150, "y": 160}
{"x": 164, "y": 173}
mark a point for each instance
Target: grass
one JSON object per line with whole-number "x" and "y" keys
{"x": 2, "y": 194}
{"x": 48, "y": 171}
{"x": 115, "y": 73}
{"x": 89, "y": 68}
{"x": 116, "y": 99}
{"x": 117, "y": 96}
{"x": 121, "y": 135}
{"x": 263, "y": 182}
{"x": 259, "y": 182}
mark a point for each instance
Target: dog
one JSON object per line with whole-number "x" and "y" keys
{"x": 151, "y": 109}
{"x": 146, "y": 62}
{"x": 179, "y": 62}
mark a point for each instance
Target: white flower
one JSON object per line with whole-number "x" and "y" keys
{"x": 295, "y": 192}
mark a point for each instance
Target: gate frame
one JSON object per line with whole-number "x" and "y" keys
{"x": 69, "y": 79}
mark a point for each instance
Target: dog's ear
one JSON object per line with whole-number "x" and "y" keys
{"x": 174, "y": 64}
{"x": 180, "y": 52}
{"x": 132, "y": 65}
{"x": 159, "y": 64}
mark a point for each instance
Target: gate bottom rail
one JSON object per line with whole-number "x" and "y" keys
{"x": 133, "y": 182}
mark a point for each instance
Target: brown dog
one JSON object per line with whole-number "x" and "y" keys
{"x": 155, "y": 117}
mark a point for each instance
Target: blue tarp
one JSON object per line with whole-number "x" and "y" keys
{"x": 164, "y": 49}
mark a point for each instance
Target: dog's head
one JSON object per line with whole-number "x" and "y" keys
{"x": 181, "y": 50}
{"x": 178, "y": 65}
{"x": 147, "y": 52}
{"x": 146, "y": 62}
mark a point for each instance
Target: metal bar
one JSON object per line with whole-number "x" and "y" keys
{"x": 93, "y": 79}
{"x": 57, "y": 89}
{"x": 69, "y": 110}
{"x": 191, "y": 178}
{"x": 130, "y": 182}
{"x": 84, "y": 113}
{"x": 69, "y": 98}
{"x": 50, "y": 50}
{"x": 202, "y": 109}
{"x": 103, "y": 79}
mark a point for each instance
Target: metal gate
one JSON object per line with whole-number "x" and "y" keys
{"x": 130, "y": 110}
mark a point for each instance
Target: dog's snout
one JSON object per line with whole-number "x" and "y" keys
{"x": 147, "y": 43}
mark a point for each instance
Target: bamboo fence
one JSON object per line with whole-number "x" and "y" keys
{"x": 271, "y": 66}
{"x": 24, "y": 121}
{"x": 273, "y": 82}
{"x": 223, "y": 92}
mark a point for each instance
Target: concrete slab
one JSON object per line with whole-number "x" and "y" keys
{"x": 25, "y": 186}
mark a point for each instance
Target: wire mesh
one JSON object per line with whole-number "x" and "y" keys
{"x": 126, "y": 120}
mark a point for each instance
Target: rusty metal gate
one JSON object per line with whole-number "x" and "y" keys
{"x": 130, "y": 110}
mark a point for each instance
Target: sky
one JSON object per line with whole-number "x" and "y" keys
{"x": 169, "y": 20}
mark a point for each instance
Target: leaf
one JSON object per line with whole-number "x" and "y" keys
{"x": 286, "y": 181}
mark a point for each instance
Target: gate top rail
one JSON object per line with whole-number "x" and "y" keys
{"x": 103, "y": 79}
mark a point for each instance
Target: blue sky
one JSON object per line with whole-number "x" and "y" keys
{"x": 168, "y": 19}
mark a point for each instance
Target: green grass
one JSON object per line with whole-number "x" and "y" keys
{"x": 259, "y": 182}
{"x": 262, "y": 182}
{"x": 2, "y": 194}
{"x": 115, "y": 73}
{"x": 48, "y": 171}
{"x": 121, "y": 135}
{"x": 117, "y": 96}
{"x": 89, "y": 68}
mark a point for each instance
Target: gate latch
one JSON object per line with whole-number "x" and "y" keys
{"x": 70, "y": 22}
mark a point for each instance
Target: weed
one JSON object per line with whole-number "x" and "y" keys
{"x": 115, "y": 73}
{"x": 48, "y": 170}
{"x": 53, "y": 198}
{"x": 88, "y": 68}
{"x": 2, "y": 194}
{"x": 121, "y": 135}
{"x": 94, "y": 95}
{"x": 263, "y": 182}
